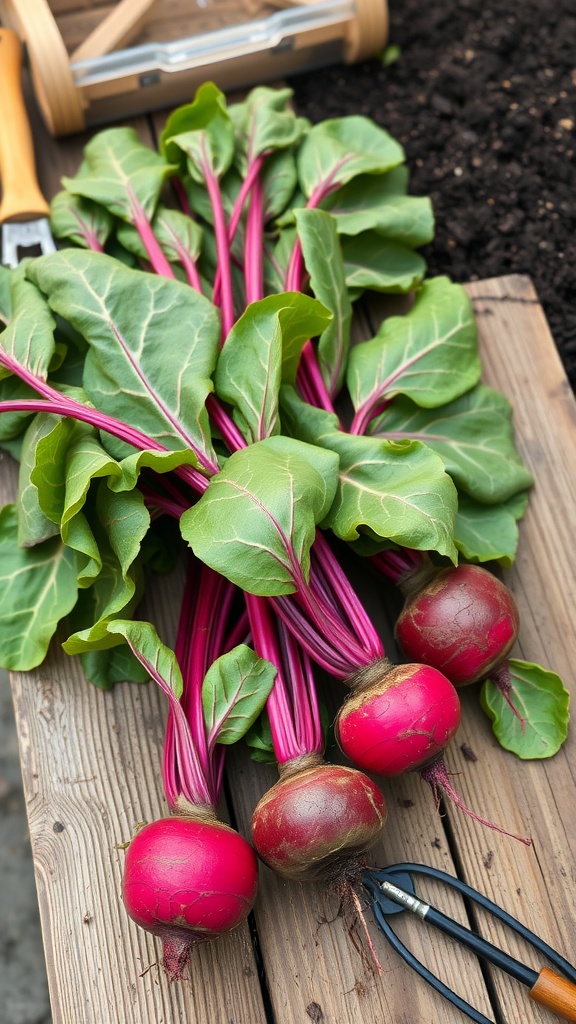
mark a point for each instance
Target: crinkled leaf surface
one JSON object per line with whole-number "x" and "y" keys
{"x": 256, "y": 521}
{"x": 37, "y": 589}
{"x": 486, "y": 533}
{"x": 111, "y": 595}
{"x": 234, "y": 691}
{"x": 323, "y": 260}
{"x": 263, "y": 348}
{"x": 474, "y": 437}
{"x": 158, "y": 659}
{"x": 203, "y": 131}
{"x": 429, "y": 354}
{"x": 335, "y": 151}
{"x": 541, "y": 698}
{"x": 398, "y": 490}
{"x": 375, "y": 202}
{"x": 151, "y": 355}
{"x": 121, "y": 173}
{"x": 381, "y": 264}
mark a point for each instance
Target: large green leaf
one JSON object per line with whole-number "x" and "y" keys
{"x": 121, "y": 173}
{"x": 264, "y": 122}
{"x": 429, "y": 354}
{"x": 381, "y": 265}
{"x": 256, "y": 521}
{"x": 261, "y": 350}
{"x": 542, "y": 701}
{"x": 374, "y": 202}
{"x": 399, "y": 491}
{"x": 335, "y": 151}
{"x": 474, "y": 437}
{"x": 158, "y": 660}
{"x": 323, "y": 260}
{"x": 234, "y": 691}
{"x": 203, "y": 131}
{"x": 151, "y": 356}
{"x": 37, "y": 589}
{"x": 489, "y": 533}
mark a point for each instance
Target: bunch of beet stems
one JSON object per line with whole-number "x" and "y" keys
{"x": 190, "y": 877}
{"x": 324, "y": 614}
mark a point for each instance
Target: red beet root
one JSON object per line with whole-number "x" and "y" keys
{"x": 188, "y": 880}
{"x": 463, "y": 621}
{"x": 315, "y": 818}
{"x": 400, "y": 720}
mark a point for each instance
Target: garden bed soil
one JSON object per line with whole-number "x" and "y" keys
{"x": 483, "y": 99}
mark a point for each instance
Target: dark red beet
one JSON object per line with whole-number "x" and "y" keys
{"x": 463, "y": 621}
{"x": 317, "y": 816}
{"x": 188, "y": 880}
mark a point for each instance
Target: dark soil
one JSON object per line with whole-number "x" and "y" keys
{"x": 483, "y": 99}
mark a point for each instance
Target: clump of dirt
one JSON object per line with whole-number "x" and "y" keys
{"x": 483, "y": 98}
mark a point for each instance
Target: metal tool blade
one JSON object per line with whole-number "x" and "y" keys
{"x": 25, "y": 238}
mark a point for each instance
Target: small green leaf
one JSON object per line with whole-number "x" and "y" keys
{"x": 259, "y": 739}
{"x": 202, "y": 130}
{"x": 489, "y": 533}
{"x": 430, "y": 354}
{"x": 234, "y": 691}
{"x": 33, "y": 525}
{"x": 256, "y": 521}
{"x": 117, "y": 665}
{"x": 37, "y": 589}
{"x": 335, "y": 151}
{"x": 179, "y": 237}
{"x": 323, "y": 260}
{"x": 541, "y": 699}
{"x": 390, "y": 55}
{"x": 80, "y": 220}
{"x": 158, "y": 660}
{"x": 264, "y": 123}
{"x": 376, "y": 202}
{"x": 381, "y": 265}
{"x": 29, "y": 335}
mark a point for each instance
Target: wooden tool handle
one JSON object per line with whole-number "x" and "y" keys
{"x": 21, "y": 195}
{"x": 556, "y": 993}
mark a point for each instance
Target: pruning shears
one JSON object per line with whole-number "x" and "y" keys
{"x": 391, "y": 890}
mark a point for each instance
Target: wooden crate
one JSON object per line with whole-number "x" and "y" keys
{"x": 67, "y": 39}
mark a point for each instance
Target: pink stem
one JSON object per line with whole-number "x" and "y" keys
{"x": 222, "y": 248}
{"x": 278, "y": 703}
{"x": 253, "y": 252}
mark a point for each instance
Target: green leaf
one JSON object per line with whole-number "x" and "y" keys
{"x": 264, "y": 123}
{"x": 486, "y": 533}
{"x": 474, "y": 437}
{"x": 33, "y": 525}
{"x": 323, "y": 260}
{"x": 118, "y": 665}
{"x": 335, "y": 151}
{"x": 234, "y": 691}
{"x": 398, "y": 490}
{"x": 263, "y": 348}
{"x": 80, "y": 221}
{"x": 279, "y": 178}
{"x": 259, "y": 739}
{"x": 150, "y": 358}
{"x": 37, "y": 589}
{"x": 29, "y": 335}
{"x": 541, "y": 699}
{"x": 375, "y": 263}
{"x": 112, "y": 594}
{"x": 430, "y": 354}
{"x": 203, "y": 131}
{"x": 158, "y": 660}
{"x": 5, "y": 295}
{"x": 375, "y": 203}
{"x": 256, "y": 521}
{"x": 121, "y": 173}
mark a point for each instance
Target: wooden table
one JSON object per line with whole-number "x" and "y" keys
{"x": 90, "y": 763}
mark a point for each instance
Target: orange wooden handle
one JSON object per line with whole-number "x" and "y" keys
{"x": 555, "y": 992}
{"x": 21, "y": 195}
